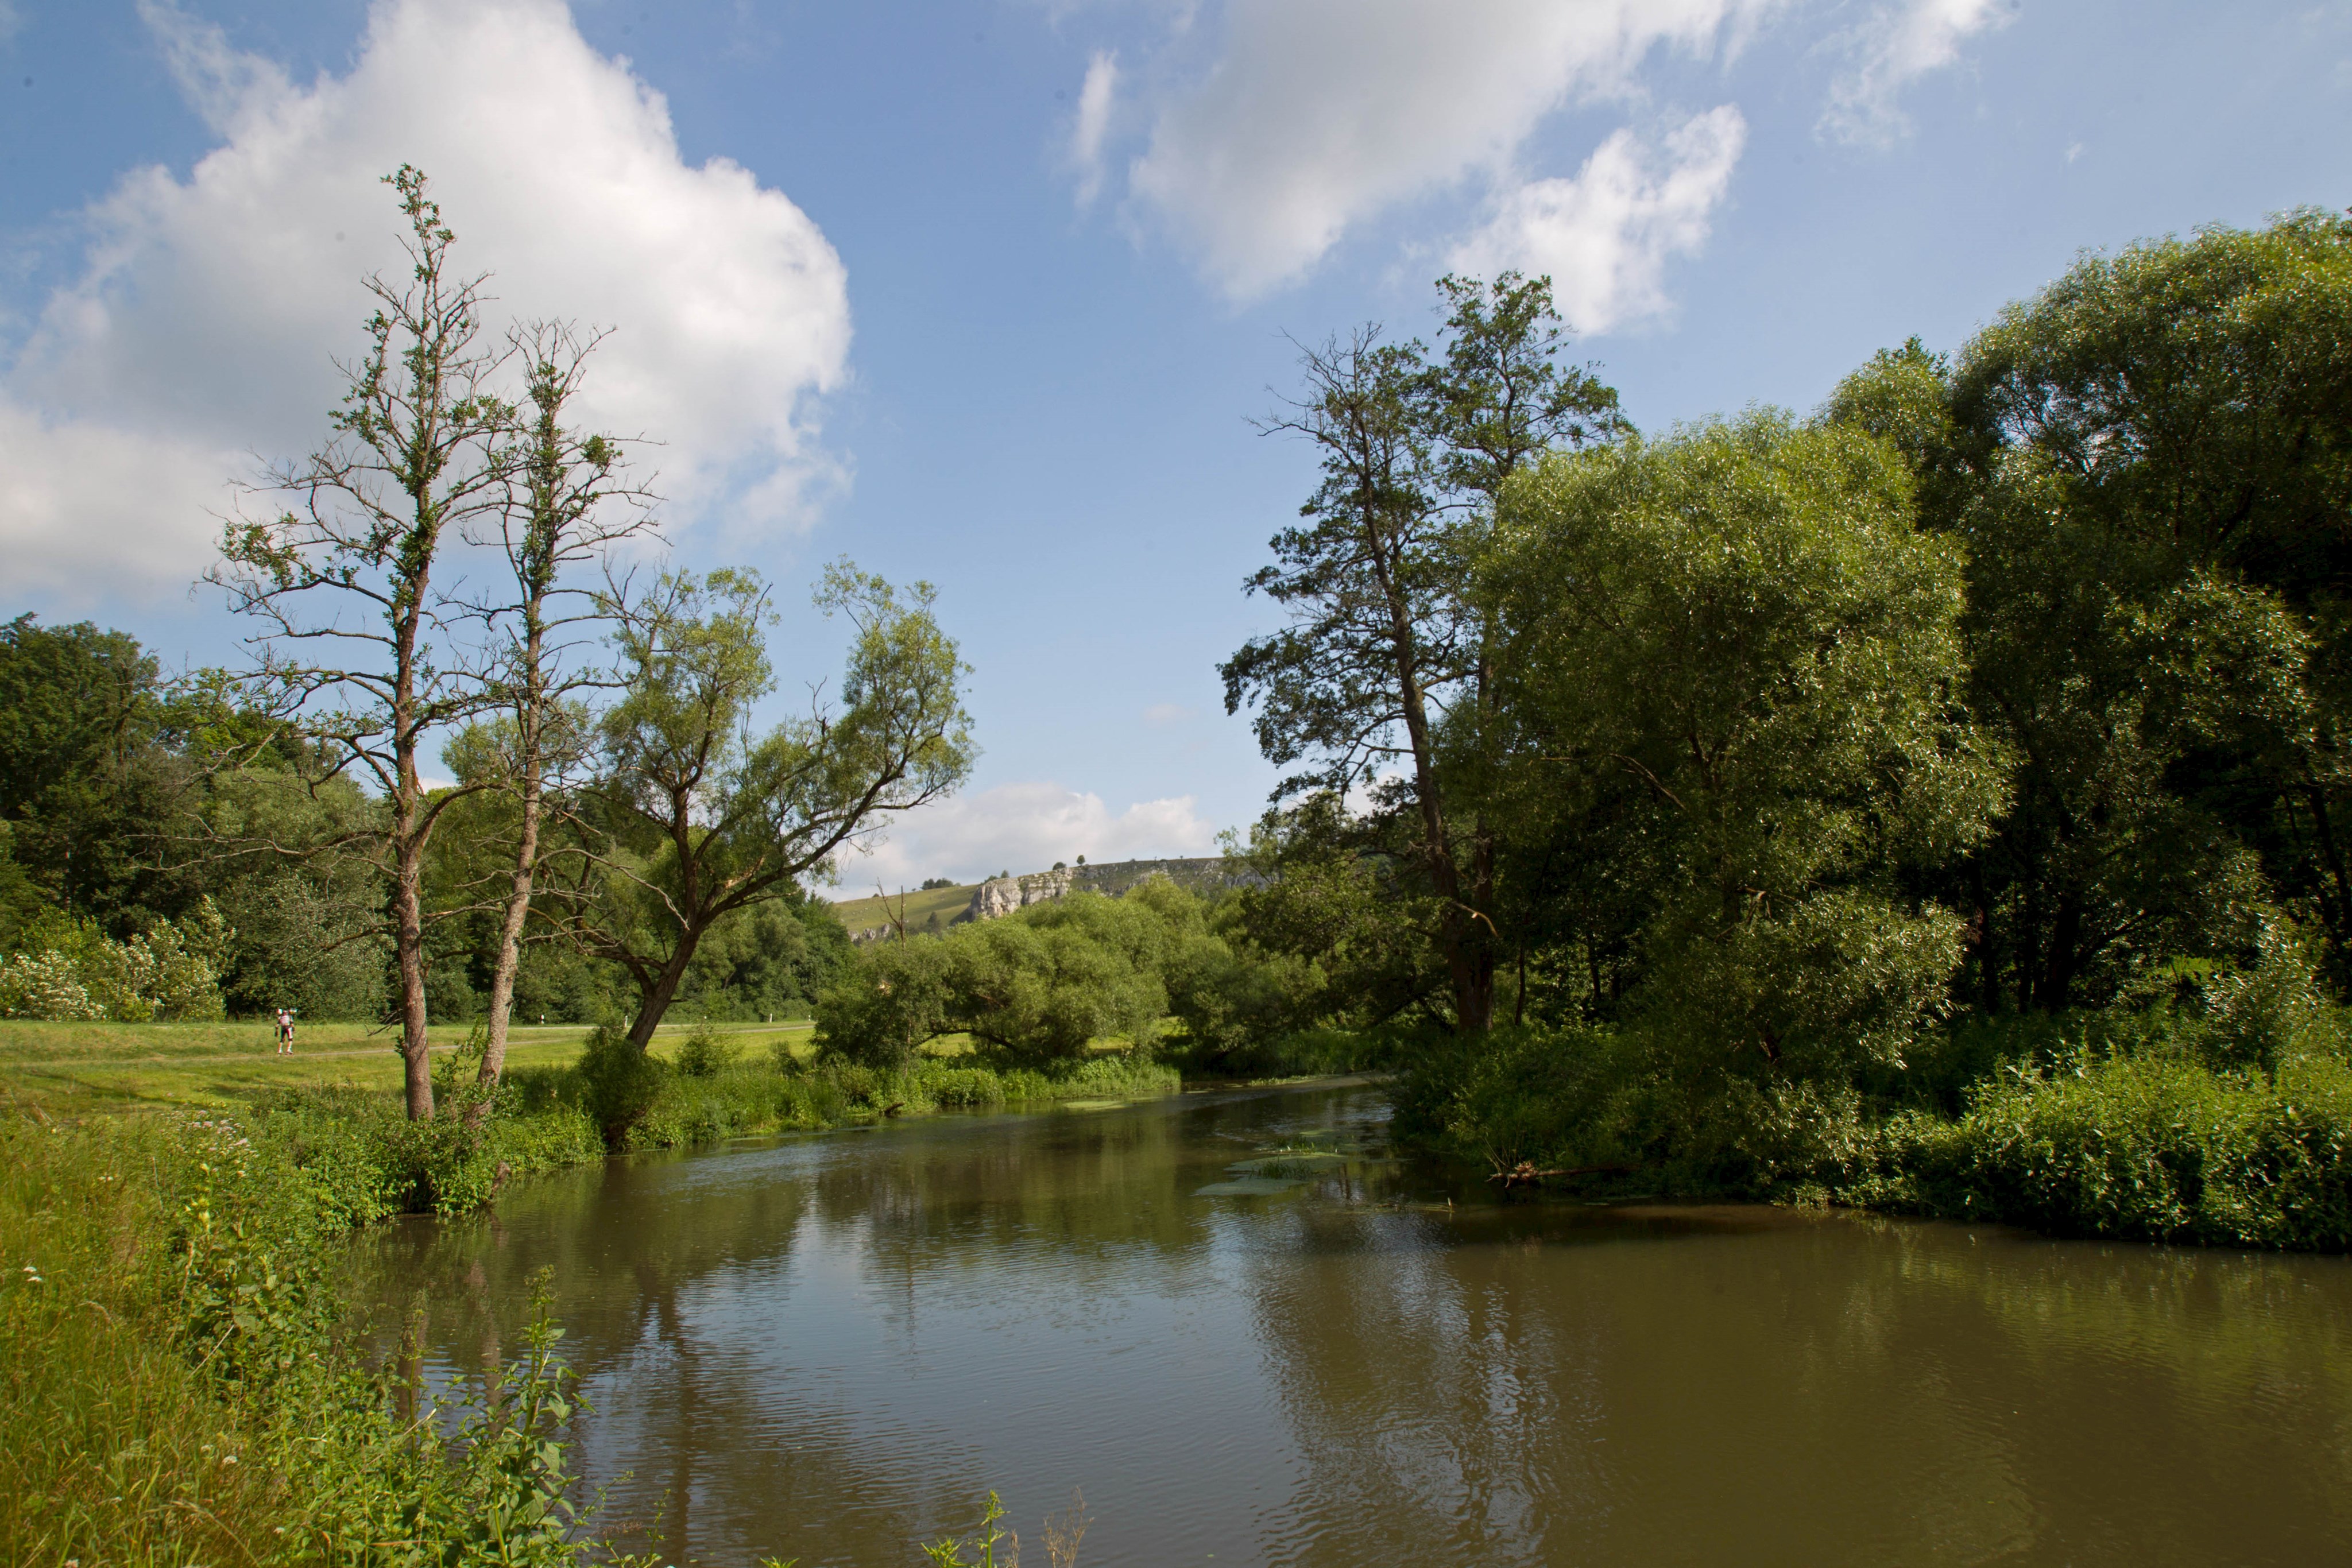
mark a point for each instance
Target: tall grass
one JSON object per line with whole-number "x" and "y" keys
{"x": 178, "y": 1387}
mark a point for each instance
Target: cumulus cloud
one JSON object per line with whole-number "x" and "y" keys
{"x": 1026, "y": 827}
{"x": 1316, "y": 114}
{"x": 1605, "y": 235}
{"x": 200, "y": 330}
{"x": 1896, "y": 46}
{"x": 1092, "y": 125}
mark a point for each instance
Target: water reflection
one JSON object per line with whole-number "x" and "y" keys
{"x": 1252, "y": 1338}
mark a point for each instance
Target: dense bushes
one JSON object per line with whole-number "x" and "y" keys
{"x": 2160, "y": 1148}
{"x": 1036, "y": 988}
{"x": 2219, "y": 1111}
{"x": 745, "y": 1099}
{"x": 72, "y": 970}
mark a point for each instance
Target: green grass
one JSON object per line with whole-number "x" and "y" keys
{"x": 947, "y": 903}
{"x": 181, "y": 1385}
{"x": 72, "y": 1068}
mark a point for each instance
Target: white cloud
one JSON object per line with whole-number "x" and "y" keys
{"x": 200, "y": 330}
{"x": 1165, "y": 713}
{"x": 1086, "y": 136}
{"x": 1026, "y": 827}
{"x": 11, "y": 20}
{"x": 1317, "y": 114}
{"x": 1605, "y": 235}
{"x": 1896, "y": 46}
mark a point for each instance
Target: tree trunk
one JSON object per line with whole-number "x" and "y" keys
{"x": 518, "y": 910}
{"x": 657, "y": 1001}
{"x": 408, "y": 942}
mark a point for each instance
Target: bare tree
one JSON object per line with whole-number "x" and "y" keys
{"x": 353, "y": 640}
{"x": 566, "y": 501}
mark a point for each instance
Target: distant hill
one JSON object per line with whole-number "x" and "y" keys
{"x": 862, "y": 915}
{"x": 867, "y": 918}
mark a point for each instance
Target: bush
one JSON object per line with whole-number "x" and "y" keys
{"x": 71, "y": 971}
{"x": 2155, "y": 1148}
{"x": 703, "y": 1054}
{"x": 619, "y": 1082}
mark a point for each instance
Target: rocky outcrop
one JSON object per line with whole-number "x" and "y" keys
{"x": 1001, "y": 895}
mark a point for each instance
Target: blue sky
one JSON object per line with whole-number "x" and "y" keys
{"x": 986, "y": 293}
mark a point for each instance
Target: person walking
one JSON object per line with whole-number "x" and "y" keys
{"x": 285, "y": 1032}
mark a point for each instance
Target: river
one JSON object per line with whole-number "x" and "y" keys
{"x": 1251, "y": 1338}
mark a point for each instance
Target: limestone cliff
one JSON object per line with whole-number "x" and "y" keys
{"x": 1001, "y": 895}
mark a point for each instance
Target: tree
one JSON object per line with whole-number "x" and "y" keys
{"x": 343, "y": 583}
{"x": 1036, "y": 988}
{"x": 2148, "y": 463}
{"x": 563, "y": 504}
{"x": 1743, "y": 624}
{"x": 90, "y": 782}
{"x": 693, "y": 818}
{"x": 1384, "y": 646}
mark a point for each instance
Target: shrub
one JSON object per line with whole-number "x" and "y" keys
{"x": 703, "y": 1054}
{"x": 2158, "y": 1148}
{"x": 619, "y": 1082}
{"x": 71, "y": 971}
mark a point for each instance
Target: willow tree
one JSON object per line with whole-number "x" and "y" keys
{"x": 695, "y": 815}
{"x": 1744, "y": 626}
{"x": 354, "y": 638}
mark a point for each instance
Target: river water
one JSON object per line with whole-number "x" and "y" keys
{"x": 1249, "y": 1338}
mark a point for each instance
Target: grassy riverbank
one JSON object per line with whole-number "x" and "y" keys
{"x": 181, "y": 1384}
{"x": 72, "y": 1068}
{"x": 180, "y": 1387}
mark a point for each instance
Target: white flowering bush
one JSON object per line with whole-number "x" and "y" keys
{"x": 45, "y": 985}
{"x": 75, "y": 971}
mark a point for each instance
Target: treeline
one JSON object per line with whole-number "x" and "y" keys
{"x": 1705, "y": 800}
{"x": 129, "y": 888}
{"x": 447, "y": 579}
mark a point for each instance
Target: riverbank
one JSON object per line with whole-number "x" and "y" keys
{"x": 69, "y": 1069}
{"x": 183, "y": 1385}
{"x": 2155, "y": 1124}
{"x": 179, "y": 1388}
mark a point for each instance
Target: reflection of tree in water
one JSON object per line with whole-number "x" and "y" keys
{"x": 675, "y": 1280}
{"x": 1550, "y": 1385}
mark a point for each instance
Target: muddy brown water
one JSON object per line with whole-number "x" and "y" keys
{"x": 1249, "y": 1338}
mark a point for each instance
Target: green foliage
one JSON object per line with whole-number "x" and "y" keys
{"x": 695, "y": 818}
{"x": 71, "y": 969}
{"x": 986, "y": 1537}
{"x": 884, "y": 1006}
{"x": 182, "y": 1387}
{"x": 2154, "y": 1148}
{"x": 1033, "y": 988}
{"x": 1735, "y": 677}
{"x": 619, "y": 1082}
{"x": 2136, "y": 457}
{"x": 703, "y": 1054}
{"x": 301, "y": 943}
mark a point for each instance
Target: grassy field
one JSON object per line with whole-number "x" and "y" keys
{"x": 947, "y": 903}
{"x": 71, "y": 1067}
